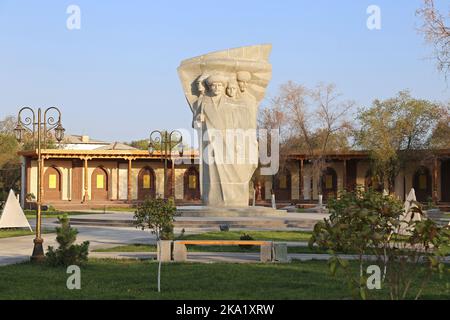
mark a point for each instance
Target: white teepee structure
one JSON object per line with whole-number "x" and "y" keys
{"x": 408, "y": 216}
{"x": 12, "y": 215}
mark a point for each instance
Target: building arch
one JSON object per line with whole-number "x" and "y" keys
{"x": 283, "y": 185}
{"x": 329, "y": 183}
{"x": 422, "y": 184}
{"x": 52, "y": 184}
{"x": 371, "y": 181}
{"x": 146, "y": 184}
{"x": 191, "y": 184}
{"x": 445, "y": 180}
{"x": 99, "y": 184}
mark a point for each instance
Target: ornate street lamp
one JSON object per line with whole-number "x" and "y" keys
{"x": 39, "y": 130}
{"x": 166, "y": 142}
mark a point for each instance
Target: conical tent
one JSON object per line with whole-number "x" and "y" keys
{"x": 408, "y": 215}
{"x": 12, "y": 215}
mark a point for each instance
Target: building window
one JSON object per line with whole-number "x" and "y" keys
{"x": 52, "y": 181}
{"x": 283, "y": 182}
{"x": 423, "y": 182}
{"x": 146, "y": 182}
{"x": 328, "y": 181}
{"x": 100, "y": 181}
{"x": 192, "y": 181}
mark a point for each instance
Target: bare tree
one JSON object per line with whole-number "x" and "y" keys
{"x": 8, "y": 124}
{"x": 271, "y": 118}
{"x": 437, "y": 32}
{"x": 315, "y": 121}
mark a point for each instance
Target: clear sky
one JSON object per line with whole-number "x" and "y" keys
{"x": 116, "y": 78}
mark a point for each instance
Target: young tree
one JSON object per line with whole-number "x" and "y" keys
{"x": 394, "y": 130}
{"x": 157, "y": 215}
{"x": 436, "y": 31}
{"x": 9, "y": 160}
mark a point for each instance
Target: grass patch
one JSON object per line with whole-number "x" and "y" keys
{"x": 257, "y": 235}
{"x": 129, "y": 248}
{"x": 114, "y": 279}
{"x": 11, "y": 233}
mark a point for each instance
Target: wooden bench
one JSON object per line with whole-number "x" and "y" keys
{"x": 180, "y": 250}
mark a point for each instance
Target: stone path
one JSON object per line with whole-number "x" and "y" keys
{"x": 19, "y": 249}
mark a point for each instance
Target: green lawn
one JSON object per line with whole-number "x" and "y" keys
{"x": 111, "y": 279}
{"x": 152, "y": 248}
{"x": 229, "y": 235}
{"x": 257, "y": 235}
{"x": 10, "y": 233}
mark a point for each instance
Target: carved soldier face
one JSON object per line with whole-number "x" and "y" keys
{"x": 232, "y": 90}
{"x": 200, "y": 87}
{"x": 242, "y": 86}
{"x": 216, "y": 88}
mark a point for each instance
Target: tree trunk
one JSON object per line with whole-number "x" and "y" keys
{"x": 158, "y": 240}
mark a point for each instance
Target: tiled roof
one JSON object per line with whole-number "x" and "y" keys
{"x": 116, "y": 146}
{"x": 78, "y": 139}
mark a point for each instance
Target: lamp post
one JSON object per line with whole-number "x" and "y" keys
{"x": 39, "y": 129}
{"x": 166, "y": 142}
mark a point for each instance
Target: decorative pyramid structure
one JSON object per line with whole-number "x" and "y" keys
{"x": 408, "y": 216}
{"x": 13, "y": 215}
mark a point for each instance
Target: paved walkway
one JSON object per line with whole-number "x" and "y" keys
{"x": 19, "y": 249}
{"x": 117, "y": 215}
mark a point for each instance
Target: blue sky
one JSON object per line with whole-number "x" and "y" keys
{"x": 116, "y": 78}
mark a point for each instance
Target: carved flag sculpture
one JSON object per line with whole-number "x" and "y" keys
{"x": 13, "y": 215}
{"x": 224, "y": 89}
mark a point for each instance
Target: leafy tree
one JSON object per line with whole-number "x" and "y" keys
{"x": 394, "y": 130}
{"x": 68, "y": 253}
{"x": 157, "y": 215}
{"x": 143, "y": 144}
{"x": 440, "y": 138}
{"x": 9, "y": 159}
{"x": 139, "y": 144}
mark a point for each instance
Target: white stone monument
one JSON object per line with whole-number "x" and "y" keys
{"x": 13, "y": 215}
{"x": 409, "y": 216}
{"x": 224, "y": 90}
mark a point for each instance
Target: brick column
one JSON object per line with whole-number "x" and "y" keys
{"x": 435, "y": 180}
{"x": 301, "y": 178}
{"x": 344, "y": 175}
{"x": 129, "y": 181}
{"x": 86, "y": 177}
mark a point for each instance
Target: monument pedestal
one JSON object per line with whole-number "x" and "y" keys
{"x": 204, "y": 211}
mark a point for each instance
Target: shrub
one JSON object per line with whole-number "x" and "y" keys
{"x": 246, "y": 237}
{"x": 68, "y": 253}
{"x": 370, "y": 223}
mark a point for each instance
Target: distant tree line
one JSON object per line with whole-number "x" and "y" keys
{"x": 316, "y": 121}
